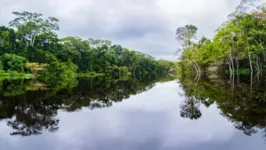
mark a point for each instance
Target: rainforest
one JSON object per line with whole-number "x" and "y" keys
{"x": 237, "y": 48}
{"x": 30, "y": 48}
{"x": 188, "y": 86}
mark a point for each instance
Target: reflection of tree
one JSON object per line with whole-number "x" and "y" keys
{"x": 28, "y": 122}
{"x": 241, "y": 104}
{"x": 102, "y": 92}
{"x": 30, "y": 112}
{"x": 12, "y": 88}
{"x": 36, "y": 86}
{"x": 194, "y": 97}
{"x": 246, "y": 108}
{"x": 190, "y": 109}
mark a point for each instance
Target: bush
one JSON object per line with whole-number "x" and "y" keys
{"x": 13, "y": 62}
{"x": 59, "y": 69}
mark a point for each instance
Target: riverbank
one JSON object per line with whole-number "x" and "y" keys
{"x": 13, "y": 75}
{"x": 90, "y": 74}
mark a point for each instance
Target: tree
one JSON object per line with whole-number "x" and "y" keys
{"x": 239, "y": 43}
{"x": 8, "y": 42}
{"x": 13, "y": 62}
{"x": 186, "y": 36}
{"x": 35, "y": 67}
{"x": 30, "y": 25}
{"x": 34, "y": 37}
{"x": 190, "y": 109}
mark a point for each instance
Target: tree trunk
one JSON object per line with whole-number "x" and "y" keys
{"x": 250, "y": 63}
{"x": 232, "y": 61}
{"x": 237, "y": 70}
{"x": 230, "y": 69}
{"x": 195, "y": 67}
{"x": 264, "y": 58}
{"x": 257, "y": 65}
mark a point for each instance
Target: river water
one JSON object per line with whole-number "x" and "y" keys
{"x": 130, "y": 114}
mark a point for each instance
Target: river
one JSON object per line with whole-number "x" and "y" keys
{"x": 130, "y": 114}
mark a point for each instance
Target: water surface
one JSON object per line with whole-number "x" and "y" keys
{"x": 146, "y": 114}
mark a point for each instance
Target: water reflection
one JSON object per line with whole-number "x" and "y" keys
{"x": 242, "y": 102}
{"x": 31, "y": 107}
{"x": 149, "y": 120}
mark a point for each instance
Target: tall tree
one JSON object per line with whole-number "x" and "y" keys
{"x": 30, "y": 25}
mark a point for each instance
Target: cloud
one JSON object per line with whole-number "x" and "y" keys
{"x": 144, "y": 25}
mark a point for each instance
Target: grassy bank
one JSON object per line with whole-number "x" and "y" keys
{"x": 14, "y": 75}
{"x": 89, "y": 74}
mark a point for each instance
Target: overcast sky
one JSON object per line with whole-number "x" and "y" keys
{"x": 144, "y": 25}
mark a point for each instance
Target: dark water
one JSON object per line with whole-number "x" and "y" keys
{"x": 131, "y": 114}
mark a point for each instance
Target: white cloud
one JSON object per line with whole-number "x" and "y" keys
{"x": 145, "y": 25}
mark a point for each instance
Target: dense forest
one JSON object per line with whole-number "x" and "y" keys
{"x": 238, "y": 47}
{"x": 237, "y": 50}
{"x": 30, "y": 46}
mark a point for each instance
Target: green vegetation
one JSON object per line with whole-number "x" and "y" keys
{"x": 13, "y": 66}
{"x": 90, "y": 74}
{"x": 238, "y": 47}
{"x": 31, "y": 39}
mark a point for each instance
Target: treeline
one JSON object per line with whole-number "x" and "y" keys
{"x": 31, "y": 37}
{"x": 238, "y": 47}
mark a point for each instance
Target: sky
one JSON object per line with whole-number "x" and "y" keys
{"x": 144, "y": 25}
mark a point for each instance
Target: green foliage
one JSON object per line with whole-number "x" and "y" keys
{"x": 1, "y": 66}
{"x": 13, "y": 75}
{"x": 59, "y": 70}
{"x": 238, "y": 43}
{"x": 30, "y": 25}
{"x": 8, "y": 42}
{"x": 33, "y": 37}
{"x": 13, "y": 62}
{"x": 90, "y": 74}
